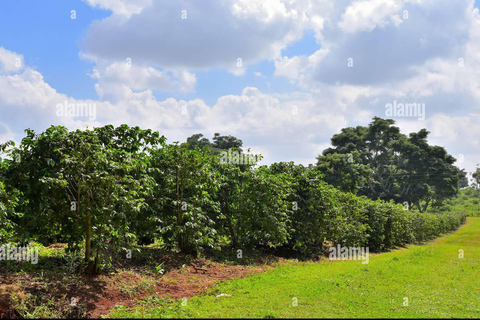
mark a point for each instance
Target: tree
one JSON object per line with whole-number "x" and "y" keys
{"x": 82, "y": 186}
{"x": 344, "y": 171}
{"x": 225, "y": 143}
{"x": 312, "y": 207}
{"x": 394, "y": 166}
{"x": 463, "y": 182}
{"x": 8, "y": 204}
{"x": 373, "y": 151}
{"x": 429, "y": 175}
{"x": 186, "y": 183}
{"x": 254, "y": 205}
{"x": 197, "y": 141}
{"x": 33, "y": 160}
{"x": 219, "y": 144}
{"x": 476, "y": 177}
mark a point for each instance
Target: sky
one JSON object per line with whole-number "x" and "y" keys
{"x": 282, "y": 75}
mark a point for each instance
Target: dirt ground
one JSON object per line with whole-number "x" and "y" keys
{"x": 177, "y": 284}
{"x": 92, "y": 297}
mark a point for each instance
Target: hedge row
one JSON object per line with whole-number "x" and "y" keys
{"x": 325, "y": 213}
{"x": 112, "y": 187}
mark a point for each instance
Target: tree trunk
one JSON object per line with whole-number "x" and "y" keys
{"x": 425, "y": 206}
{"x": 88, "y": 227}
{"x": 182, "y": 239}
{"x": 96, "y": 265}
{"x": 417, "y": 203}
{"x": 77, "y": 233}
{"x": 230, "y": 226}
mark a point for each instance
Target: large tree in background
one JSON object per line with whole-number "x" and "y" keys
{"x": 198, "y": 141}
{"x": 345, "y": 171}
{"x": 476, "y": 178}
{"x": 371, "y": 155}
{"x": 463, "y": 182}
{"x": 219, "y": 144}
{"x": 394, "y": 166}
{"x": 429, "y": 175}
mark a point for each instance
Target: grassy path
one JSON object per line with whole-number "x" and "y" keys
{"x": 434, "y": 279}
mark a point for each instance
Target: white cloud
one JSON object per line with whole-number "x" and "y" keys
{"x": 284, "y": 127}
{"x": 387, "y": 51}
{"x": 6, "y": 133}
{"x": 10, "y": 61}
{"x": 113, "y": 78}
{"x": 186, "y": 80}
{"x": 295, "y": 67}
{"x": 213, "y": 34}
{"x": 411, "y": 60}
{"x": 122, "y": 7}
{"x": 27, "y": 101}
{"x": 237, "y": 71}
{"x": 262, "y": 10}
{"x": 366, "y": 15}
{"x": 289, "y": 126}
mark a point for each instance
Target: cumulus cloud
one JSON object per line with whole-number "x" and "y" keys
{"x": 113, "y": 78}
{"x": 366, "y": 46}
{"x": 366, "y": 15}
{"x": 283, "y": 127}
{"x": 288, "y": 124}
{"x": 122, "y": 7}
{"x": 27, "y": 101}
{"x": 192, "y": 34}
{"x": 10, "y": 61}
{"x": 369, "y": 53}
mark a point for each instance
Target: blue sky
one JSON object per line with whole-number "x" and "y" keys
{"x": 308, "y": 68}
{"x": 49, "y": 40}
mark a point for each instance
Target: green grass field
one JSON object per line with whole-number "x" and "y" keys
{"x": 421, "y": 281}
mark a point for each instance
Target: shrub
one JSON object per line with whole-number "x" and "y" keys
{"x": 107, "y": 187}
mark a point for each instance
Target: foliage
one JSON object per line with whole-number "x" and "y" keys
{"x": 186, "y": 183}
{"x": 467, "y": 200}
{"x": 476, "y": 178}
{"x": 8, "y": 203}
{"x": 219, "y": 144}
{"x": 81, "y": 186}
{"x": 321, "y": 212}
{"x": 108, "y": 188}
{"x": 380, "y": 162}
{"x": 254, "y": 207}
{"x": 429, "y": 272}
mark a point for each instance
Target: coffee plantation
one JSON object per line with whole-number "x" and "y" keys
{"x": 107, "y": 189}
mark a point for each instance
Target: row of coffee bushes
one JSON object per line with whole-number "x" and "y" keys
{"x": 113, "y": 186}
{"x": 325, "y": 213}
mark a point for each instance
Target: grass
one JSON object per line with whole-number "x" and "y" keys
{"x": 422, "y": 281}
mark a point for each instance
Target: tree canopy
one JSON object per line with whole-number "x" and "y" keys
{"x": 382, "y": 163}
